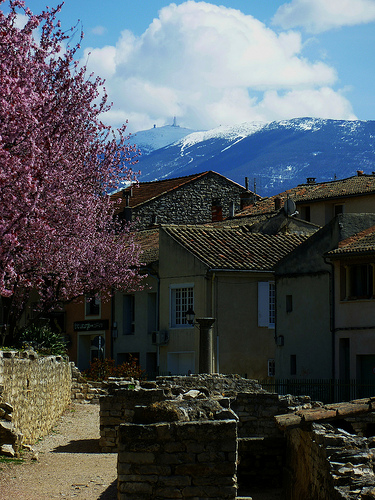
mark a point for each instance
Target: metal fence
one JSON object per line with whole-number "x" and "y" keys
{"x": 325, "y": 390}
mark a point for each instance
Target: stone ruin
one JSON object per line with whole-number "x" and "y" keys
{"x": 217, "y": 436}
{"x": 10, "y": 438}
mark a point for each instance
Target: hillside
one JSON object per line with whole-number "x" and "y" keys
{"x": 274, "y": 156}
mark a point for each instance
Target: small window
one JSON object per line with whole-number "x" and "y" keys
{"x": 357, "y": 282}
{"x": 289, "y": 303}
{"x": 128, "y": 315}
{"x": 271, "y": 367}
{"x": 92, "y": 305}
{"x": 182, "y": 299}
{"x": 293, "y": 364}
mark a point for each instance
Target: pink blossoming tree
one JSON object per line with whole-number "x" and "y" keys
{"x": 58, "y": 238}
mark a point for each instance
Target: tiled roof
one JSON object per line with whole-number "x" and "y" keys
{"x": 146, "y": 191}
{"x": 149, "y": 243}
{"x": 360, "y": 243}
{"x": 234, "y": 248}
{"x": 305, "y": 193}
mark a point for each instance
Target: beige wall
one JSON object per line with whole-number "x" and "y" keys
{"x": 239, "y": 345}
{"x": 306, "y": 329}
{"x": 355, "y": 327}
{"x": 141, "y": 341}
{"x": 179, "y": 267}
{"x": 244, "y": 348}
{"x": 321, "y": 212}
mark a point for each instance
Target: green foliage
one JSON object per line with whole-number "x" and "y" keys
{"x": 43, "y": 340}
{"x": 11, "y": 460}
{"x": 102, "y": 369}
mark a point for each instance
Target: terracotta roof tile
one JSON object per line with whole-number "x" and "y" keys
{"x": 351, "y": 186}
{"x": 146, "y": 191}
{"x": 148, "y": 240}
{"x": 234, "y": 248}
{"x": 362, "y": 242}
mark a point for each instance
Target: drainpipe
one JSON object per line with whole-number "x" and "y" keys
{"x": 332, "y": 314}
{"x": 213, "y": 277}
{"x": 156, "y": 276}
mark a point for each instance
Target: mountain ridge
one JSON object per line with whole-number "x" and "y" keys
{"x": 274, "y": 156}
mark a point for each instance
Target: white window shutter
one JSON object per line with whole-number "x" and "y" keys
{"x": 263, "y": 303}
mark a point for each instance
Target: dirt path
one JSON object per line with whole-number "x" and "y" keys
{"x": 69, "y": 464}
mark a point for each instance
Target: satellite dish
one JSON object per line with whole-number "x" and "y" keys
{"x": 289, "y": 207}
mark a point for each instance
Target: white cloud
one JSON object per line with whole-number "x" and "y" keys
{"x": 211, "y": 65}
{"x": 99, "y": 30}
{"x": 321, "y": 15}
{"x": 319, "y": 103}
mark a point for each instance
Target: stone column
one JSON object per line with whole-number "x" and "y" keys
{"x": 205, "y": 344}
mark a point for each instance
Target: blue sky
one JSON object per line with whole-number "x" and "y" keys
{"x": 228, "y": 62}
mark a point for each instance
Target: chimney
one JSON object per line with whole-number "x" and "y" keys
{"x": 359, "y": 172}
{"x": 278, "y": 202}
{"x": 247, "y": 198}
{"x": 311, "y": 180}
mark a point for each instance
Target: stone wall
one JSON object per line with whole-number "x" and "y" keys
{"x": 84, "y": 391}
{"x": 191, "y": 203}
{"x": 257, "y": 411}
{"x": 37, "y": 388}
{"x": 186, "y": 460}
{"x": 325, "y": 463}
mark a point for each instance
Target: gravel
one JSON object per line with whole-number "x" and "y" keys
{"x": 65, "y": 464}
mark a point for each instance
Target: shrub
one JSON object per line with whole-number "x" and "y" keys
{"x": 43, "y": 340}
{"x": 102, "y": 369}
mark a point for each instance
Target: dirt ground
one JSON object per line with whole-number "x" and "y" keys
{"x": 69, "y": 464}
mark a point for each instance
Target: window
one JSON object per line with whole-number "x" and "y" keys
{"x": 338, "y": 209}
{"x": 128, "y": 315}
{"x": 151, "y": 312}
{"x": 271, "y": 367}
{"x": 182, "y": 299}
{"x": 357, "y": 282}
{"x": 289, "y": 303}
{"x": 306, "y": 213}
{"x": 266, "y": 304}
{"x": 92, "y": 306}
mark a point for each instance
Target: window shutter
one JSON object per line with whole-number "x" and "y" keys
{"x": 263, "y": 303}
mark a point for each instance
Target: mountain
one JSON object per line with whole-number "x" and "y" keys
{"x": 158, "y": 137}
{"x": 274, "y": 156}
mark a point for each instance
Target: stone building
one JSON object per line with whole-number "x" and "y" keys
{"x": 193, "y": 199}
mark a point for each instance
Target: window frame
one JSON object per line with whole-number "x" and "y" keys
{"x": 267, "y": 304}
{"x": 172, "y": 305}
{"x": 271, "y": 367}
{"x": 88, "y": 299}
{"x": 356, "y": 276}
{"x": 131, "y": 298}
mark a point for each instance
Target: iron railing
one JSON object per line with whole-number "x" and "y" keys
{"x": 324, "y": 390}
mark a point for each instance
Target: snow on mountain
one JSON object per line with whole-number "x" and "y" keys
{"x": 274, "y": 156}
{"x": 158, "y": 137}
